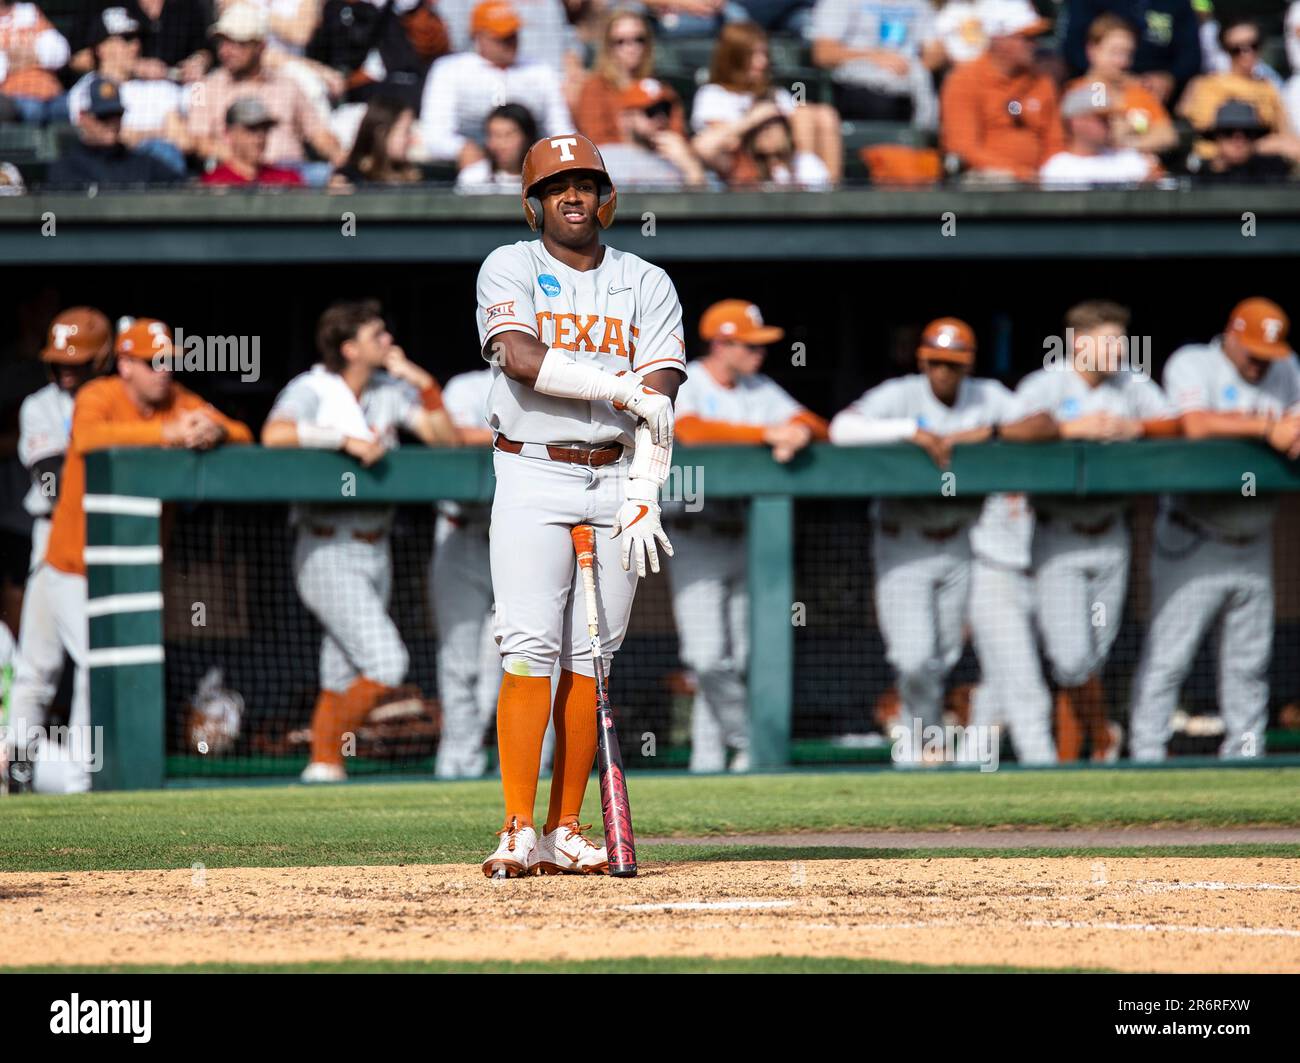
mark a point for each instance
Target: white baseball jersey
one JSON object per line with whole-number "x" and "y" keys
{"x": 1066, "y": 395}
{"x": 623, "y": 314}
{"x": 752, "y": 400}
{"x": 979, "y": 403}
{"x": 1201, "y": 377}
{"x": 322, "y": 398}
{"x": 44, "y": 427}
{"x": 465, "y": 399}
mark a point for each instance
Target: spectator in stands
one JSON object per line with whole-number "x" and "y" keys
{"x": 1213, "y": 58}
{"x": 31, "y": 50}
{"x": 649, "y": 152}
{"x": 1090, "y": 156}
{"x": 99, "y": 157}
{"x": 174, "y": 41}
{"x": 767, "y": 152}
{"x": 740, "y": 80}
{"x": 1200, "y": 105}
{"x": 545, "y": 35}
{"x": 508, "y": 133}
{"x": 153, "y": 120}
{"x": 625, "y": 55}
{"x": 1237, "y": 133}
{"x": 695, "y": 18}
{"x": 289, "y": 26}
{"x": 377, "y": 50}
{"x": 462, "y": 90}
{"x": 1139, "y": 119}
{"x": 959, "y": 29}
{"x": 880, "y": 54}
{"x": 1000, "y": 116}
{"x": 248, "y": 128}
{"x": 382, "y": 149}
{"x": 240, "y": 36}
{"x": 1291, "y": 91}
{"x": 1168, "y": 51}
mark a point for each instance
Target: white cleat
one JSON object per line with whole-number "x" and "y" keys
{"x": 513, "y": 856}
{"x": 567, "y": 851}
{"x": 317, "y": 771}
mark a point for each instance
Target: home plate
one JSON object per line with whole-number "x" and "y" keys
{"x": 705, "y": 906}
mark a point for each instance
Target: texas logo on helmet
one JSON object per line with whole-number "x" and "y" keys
{"x": 563, "y": 154}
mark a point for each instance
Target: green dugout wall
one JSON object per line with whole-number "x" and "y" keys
{"x": 126, "y": 489}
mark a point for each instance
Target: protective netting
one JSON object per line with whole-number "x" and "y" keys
{"x": 242, "y": 651}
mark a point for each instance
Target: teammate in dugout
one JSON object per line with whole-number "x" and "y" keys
{"x": 460, "y": 591}
{"x": 79, "y": 348}
{"x": 726, "y": 400}
{"x": 587, "y": 353}
{"x": 140, "y": 405}
{"x": 1212, "y": 555}
{"x": 921, "y": 547}
{"x": 1081, "y": 546}
{"x": 354, "y": 400}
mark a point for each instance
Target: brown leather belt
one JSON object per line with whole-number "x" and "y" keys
{"x": 935, "y": 535}
{"x": 1184, "y": 521}
{"x": 591, "y": 455}
{"x": 327, "y": 531}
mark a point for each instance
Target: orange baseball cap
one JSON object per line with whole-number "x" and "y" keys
{"x": 948, "y": 339}
{"x": 644, "y": 93}
{"x": 144, "y": 338}
{"x": 739, "y": 321}
{"x": 79, "y": 335}
{"x": 1262, "y": 327}
{"x": 496, "y": 18}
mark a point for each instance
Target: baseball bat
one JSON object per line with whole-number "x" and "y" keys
{"x": 615, "y": 808}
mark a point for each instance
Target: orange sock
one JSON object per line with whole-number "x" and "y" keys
{"x": 523, "y": 707}
{"x": 1069, "y": 733}
{"x": 326, "y": 727}
{"x": 1095, "y": 717}
{"x": 575, "y": 747}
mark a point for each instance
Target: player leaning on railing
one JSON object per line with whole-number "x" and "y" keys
{"x": 354, "y": 400}
{"x": 587, "y": 354}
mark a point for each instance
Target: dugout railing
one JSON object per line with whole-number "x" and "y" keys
{"x": 127, "y": 489}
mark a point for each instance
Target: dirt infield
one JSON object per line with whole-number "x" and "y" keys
{"x": 1166, "y": 914}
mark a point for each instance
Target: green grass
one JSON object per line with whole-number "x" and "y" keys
{"x": 452, "y": 822}
{"x": 631, "y": 965}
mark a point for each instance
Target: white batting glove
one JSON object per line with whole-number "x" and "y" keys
{"x": 652, "y": 407}
{"x": 638, "y": 521}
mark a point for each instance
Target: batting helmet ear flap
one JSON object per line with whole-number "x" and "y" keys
{"x": 533, "y": 212}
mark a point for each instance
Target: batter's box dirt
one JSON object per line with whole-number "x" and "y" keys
{"x": 1132, "y": 914}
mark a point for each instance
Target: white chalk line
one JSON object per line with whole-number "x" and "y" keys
{"x": 704, "y": 906}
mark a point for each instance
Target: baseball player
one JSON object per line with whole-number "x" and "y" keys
{"x": 587, "y": 353}
{"x": 725, "y": 399}
{"x": 1212, "y": 555}
{"x": 1012, "y": 691}
{"x": 460, "y": 589}
{"x": 139, "y": 405}
{"x": 354, "y": 400}
{"x": 79, "y": 347}
{"x": 1081, "y": 545}
{"x": 921, "y": 546}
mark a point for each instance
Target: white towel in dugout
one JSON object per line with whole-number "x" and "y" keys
{"x": 338, "y": 407}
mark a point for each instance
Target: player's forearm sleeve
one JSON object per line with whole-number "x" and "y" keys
{"x": 318, "y": 436}
{"x": 850, "y": 429}
{"x": 564, "y": 378}
{"x": 650, "y": 461}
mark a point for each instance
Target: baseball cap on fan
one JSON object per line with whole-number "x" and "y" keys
{"x": 739, "y": 321}
{"x": 496, "y": 18}
{"x": 948, "y": 339}
{"x": 242, "y": 23}
{"x": 1086, "y": 100}
{"x": 1261, "y": 326}
{"x": 644, "y": 93}
{"x": 249, "y": 112}
{"x": 1012, "y": 18}
{"x": 143, "y": 338}
{"x": 114, "y": 22}
{"x": 105, "y": 98}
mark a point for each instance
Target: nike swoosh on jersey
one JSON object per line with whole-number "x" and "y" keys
{"x": 619, "y": 291}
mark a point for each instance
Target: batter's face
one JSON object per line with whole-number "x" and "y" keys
{"x": 569, "y": 203}
{"x": 742, "y": 359}
{"x": 371, "y": 345}
{"x": 945, "y": 377}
